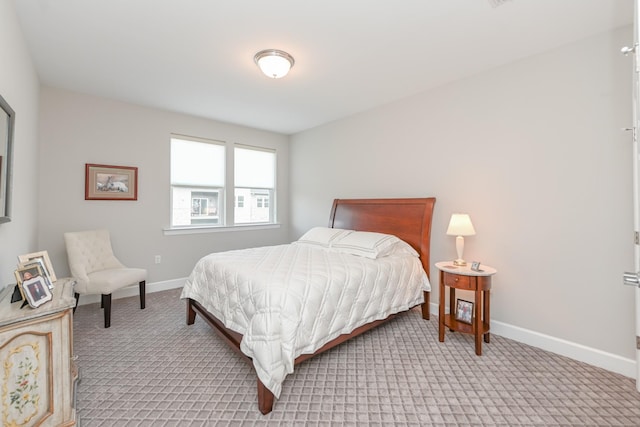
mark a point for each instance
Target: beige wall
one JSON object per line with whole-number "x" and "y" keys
{"x": 19, "y": 87}
{"x": 533, "y": 151}
{"x": 78, "y": 129}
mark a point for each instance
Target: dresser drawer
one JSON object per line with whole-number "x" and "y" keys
{"x": 458, "y": 281}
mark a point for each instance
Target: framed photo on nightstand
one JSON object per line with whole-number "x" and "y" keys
{"x": 464, "y": 311}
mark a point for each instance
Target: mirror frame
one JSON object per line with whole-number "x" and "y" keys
{"x": 6, "y": 167}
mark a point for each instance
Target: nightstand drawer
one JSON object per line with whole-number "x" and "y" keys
{"x": 457, "y": 281}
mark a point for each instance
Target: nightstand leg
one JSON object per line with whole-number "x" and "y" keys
{"x": 478, "y": 322}
{"x": 441, "y": 310}
{"x": 452, "y": 304}
{"x": 487, "y": 312}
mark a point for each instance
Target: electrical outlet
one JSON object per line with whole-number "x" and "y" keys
{"x": 158, "y": 259}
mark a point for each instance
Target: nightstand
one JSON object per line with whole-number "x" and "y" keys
{"x": 462, "y": 277}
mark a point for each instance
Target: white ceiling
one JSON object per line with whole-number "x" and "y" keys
{"x": 196, "y": 56}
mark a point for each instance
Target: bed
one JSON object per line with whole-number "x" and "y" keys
{"x": 276, "y": 330}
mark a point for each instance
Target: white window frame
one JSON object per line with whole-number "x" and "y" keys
{"x": 270, "y": 190}
{"x": 227, "y": 192}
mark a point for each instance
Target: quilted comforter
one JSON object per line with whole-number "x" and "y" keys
{"x": 292, "y": 299}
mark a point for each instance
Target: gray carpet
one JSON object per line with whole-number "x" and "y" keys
{"x": 151, "y": 369}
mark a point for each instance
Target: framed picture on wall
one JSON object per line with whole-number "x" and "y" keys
{"x": 106, "y": 182}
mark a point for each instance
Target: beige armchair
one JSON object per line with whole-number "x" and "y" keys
{"x": 96, "y": 269}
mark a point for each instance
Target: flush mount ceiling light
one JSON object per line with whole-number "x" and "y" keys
{"x": 274, "y": 63}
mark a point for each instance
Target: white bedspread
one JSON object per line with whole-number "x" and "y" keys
{"x": 291, "y": 299}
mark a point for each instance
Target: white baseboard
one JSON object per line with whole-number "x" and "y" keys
{"x": 579, "y": 352}
{"x": 133, "y": 290}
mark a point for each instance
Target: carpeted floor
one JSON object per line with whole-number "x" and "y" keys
{"x": 151, "y": 369}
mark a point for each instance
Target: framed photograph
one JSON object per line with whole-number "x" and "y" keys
{"x": 33, "y": 268}
{"x": 475, "y": 266}
{"x": 464, "y": 311}
{"x": 27, "y": 272}
{"x": 36, "y": 291}
{"x": 105, "y": 182}
{"x": 46, "y": 262}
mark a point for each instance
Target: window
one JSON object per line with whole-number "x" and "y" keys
{"x": 200, "y": 183}
{"x": 197, "y": 182}
{"x": 254, "y": 178}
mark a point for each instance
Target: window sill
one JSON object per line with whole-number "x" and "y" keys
{"x": 213, "y": 229}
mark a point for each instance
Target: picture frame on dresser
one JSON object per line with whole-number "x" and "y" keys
{"x": 35, "y": 291}
{"x": 26, "y": 272}
{"x": 108, "y": 182}
{"x": 33, "y": 268}
{"x": 464, "y": 311}
{"x": 45, "y": 263}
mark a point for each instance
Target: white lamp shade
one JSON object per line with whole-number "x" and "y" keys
{"x": 274, "y": 63}
{"x": 460, "y": 225}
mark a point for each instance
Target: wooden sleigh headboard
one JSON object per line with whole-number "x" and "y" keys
{"x": 409, "y": 219}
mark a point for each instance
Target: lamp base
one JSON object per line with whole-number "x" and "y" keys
{"x": 459, "y": 262}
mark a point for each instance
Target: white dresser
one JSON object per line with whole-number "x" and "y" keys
{"x": 37, "y": 371}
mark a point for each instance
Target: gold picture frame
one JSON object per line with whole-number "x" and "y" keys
{"x": 33, "y": 268}
{"x": 46, "y": 262}
{"x": 27, "y": 272}
{"x": 107, "y": 182}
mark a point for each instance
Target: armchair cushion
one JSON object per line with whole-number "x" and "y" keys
{"x": 107, "y": 281}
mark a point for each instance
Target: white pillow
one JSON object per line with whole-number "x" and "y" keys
{"x": 322, "y": 236}
{"x": 371, "y": 245}
{"x": 401, "y": 248}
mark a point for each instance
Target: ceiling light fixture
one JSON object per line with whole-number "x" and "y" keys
{"x": 274, "y": 63}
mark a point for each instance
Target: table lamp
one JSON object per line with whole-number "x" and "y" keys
{"x": 460, "y": 225}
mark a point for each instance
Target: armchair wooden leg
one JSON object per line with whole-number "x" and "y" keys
{"x": 142, "y": 294}
{"x": 106, "y": 304}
